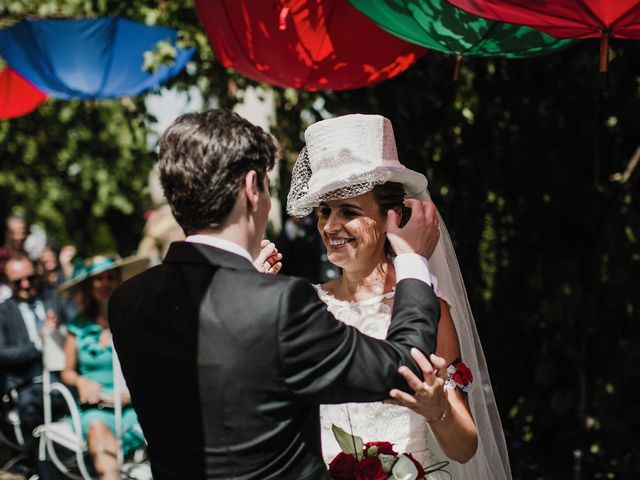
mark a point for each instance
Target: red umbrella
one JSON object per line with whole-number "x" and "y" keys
{"x": 17, "y": 96}
{"x": 602, "y": 19}
{"x": 305, "y": 44}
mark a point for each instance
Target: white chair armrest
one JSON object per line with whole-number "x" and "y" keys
{"x": 72, "y": 406}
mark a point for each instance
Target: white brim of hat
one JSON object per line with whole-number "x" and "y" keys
{"x": 414, "y": 183}
{"x": 129, "y": 267}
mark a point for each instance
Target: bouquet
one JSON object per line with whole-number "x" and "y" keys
{"x": 374, "y": 461}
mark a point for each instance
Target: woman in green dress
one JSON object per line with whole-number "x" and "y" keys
{"x": 89, "y": 362}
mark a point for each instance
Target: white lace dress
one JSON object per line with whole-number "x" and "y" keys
{"x": 372, "y": 421}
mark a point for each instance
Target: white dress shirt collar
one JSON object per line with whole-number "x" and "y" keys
{"x": 29, "y": 313}
{"x": 220, "y": 243}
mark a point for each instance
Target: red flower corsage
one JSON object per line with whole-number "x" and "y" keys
{"x": 459, "y": 376}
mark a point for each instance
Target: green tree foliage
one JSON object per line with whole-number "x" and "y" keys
{"x": 80, "y": 168}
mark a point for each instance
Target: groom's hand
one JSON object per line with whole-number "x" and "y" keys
{"x": 420, "y": 234}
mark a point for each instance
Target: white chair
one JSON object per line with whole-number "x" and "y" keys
{"x": 67, "y": 432}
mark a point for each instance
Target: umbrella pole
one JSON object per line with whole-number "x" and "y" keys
{"x": 604, "y": 51}
{"x": 456, "y": 70}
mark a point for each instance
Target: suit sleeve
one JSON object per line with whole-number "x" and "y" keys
{"x": 326, "y": 361}
{"x": 14, "y": 356}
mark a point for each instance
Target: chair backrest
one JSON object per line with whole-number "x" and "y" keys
{"x": 53, "y": 349}
{"x": 52, "y": 361}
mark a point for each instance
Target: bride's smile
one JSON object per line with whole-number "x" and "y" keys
{"x": 338, "y": 242}
{"x": 352, "y": 229}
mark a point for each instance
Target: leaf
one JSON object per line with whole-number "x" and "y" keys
{"x": 349, "y": 444}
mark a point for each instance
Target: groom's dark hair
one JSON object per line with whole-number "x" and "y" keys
{"x": 204, "y": 158}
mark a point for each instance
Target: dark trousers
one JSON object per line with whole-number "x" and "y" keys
{"x": 30, "y": 410}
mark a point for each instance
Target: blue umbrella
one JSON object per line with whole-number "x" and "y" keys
{"x": 88, "y": 58}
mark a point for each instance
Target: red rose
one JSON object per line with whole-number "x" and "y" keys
{"x": 342, "y": 466}
{"x": 383, "y": 447}
{"x": 462, "y": 375}
{"x": 421, "y": 472}
{"x": 369, "y": 469}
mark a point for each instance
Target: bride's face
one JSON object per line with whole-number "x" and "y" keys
{"x": 353, "y": 230}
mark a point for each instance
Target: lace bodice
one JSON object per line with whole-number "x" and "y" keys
{"x": 372, "y": 421}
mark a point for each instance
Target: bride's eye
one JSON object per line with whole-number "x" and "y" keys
{"x": 350, "y": 213}
{"x": 324, "y": 211}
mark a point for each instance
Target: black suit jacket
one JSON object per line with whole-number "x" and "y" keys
{"x": 226, "y": 366}
{"x": 20, "y": 360}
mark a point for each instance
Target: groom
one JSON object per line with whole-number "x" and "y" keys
{"x": 226, "y": 366}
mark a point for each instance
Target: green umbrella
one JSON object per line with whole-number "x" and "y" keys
{"x": 440, "y": 26}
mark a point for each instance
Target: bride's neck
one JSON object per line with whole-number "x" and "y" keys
{"x": 365, "y": 281}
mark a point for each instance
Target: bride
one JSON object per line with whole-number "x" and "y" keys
{"x": 349, "y": 170}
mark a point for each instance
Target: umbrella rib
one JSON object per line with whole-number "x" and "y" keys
{"x": 109, "y": 64}
{"x": 245, "y": 53}
{"x": 484, "y": 36}
{"x": 416, "y": 23}
{"x": 44, "y": 59}
{"x": 624, "y": 14}
{"x": 591, "y": 13}
{"x": 329, "y": 18}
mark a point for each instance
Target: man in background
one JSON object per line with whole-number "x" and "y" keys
{"x": 24, "y": 319}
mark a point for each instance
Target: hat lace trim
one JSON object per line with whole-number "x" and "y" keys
{"x": 348, "y": 188}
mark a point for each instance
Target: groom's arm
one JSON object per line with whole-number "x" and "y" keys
{"x": 326, "y": 361}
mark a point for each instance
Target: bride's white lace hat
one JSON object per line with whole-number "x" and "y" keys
{"x": 345, "y": 157}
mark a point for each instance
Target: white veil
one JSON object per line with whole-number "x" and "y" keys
{"x": 491, "y": 461}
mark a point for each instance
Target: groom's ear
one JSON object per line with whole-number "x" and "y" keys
{"x": 251, "y": 190}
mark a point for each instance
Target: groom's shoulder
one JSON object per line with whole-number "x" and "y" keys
{"x": 281, "y": 287}
{"x": 276, "y": 282}
{"x": 135, "y": 284}
{"x": 161, "y": 277}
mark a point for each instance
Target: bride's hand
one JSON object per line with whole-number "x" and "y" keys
{"x": 269, "y": 259}
{"x": 429, "y": 400}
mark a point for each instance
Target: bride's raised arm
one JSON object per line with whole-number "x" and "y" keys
{"x": 443, "y": 404}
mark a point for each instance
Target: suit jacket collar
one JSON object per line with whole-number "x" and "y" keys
{"x": 49, "y": 300}
{"x": 12, "y": 305}
{"x": 201, "y": 254}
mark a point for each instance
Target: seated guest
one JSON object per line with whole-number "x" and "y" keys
{"x": 23, "y": 320}
{"x": 51, "y": 266}
{"x": 5, "y": 290}
{"x": 89, "y": 362}
{"x": 16, "y": 233}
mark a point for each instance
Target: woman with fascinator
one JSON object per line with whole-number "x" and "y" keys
{"x": 350, "y": 173}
